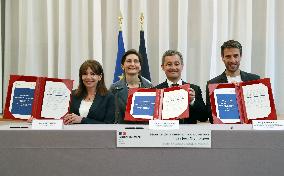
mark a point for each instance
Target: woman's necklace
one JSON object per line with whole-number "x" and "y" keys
{"x": 90, "y": 97}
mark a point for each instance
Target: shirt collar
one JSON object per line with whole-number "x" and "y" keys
{"x": 234, "y": 79}
{"x": 170, "y": 82}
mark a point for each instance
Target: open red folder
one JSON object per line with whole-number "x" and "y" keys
{"x": 242, "y": 103}
{"x": 145, "y": 104}
{"x": 40, "y": 97}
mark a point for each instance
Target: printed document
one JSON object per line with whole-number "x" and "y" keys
{"x": 22, "y": 98}
{"x": 56, "y": 100}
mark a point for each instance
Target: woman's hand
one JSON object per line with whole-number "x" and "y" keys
{"x": 71, "y": 119}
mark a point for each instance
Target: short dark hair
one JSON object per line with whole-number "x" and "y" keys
{"x": 231, "y": 44}
{"x": 172, "y": 53}
{"x": 97, "y": 68}
{"x": 131, "y": 51}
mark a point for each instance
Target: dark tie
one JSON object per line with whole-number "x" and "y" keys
{"x": 174, "y": 85}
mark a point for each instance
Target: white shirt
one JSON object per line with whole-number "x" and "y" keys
{"x": 234, "y": 79}
{"x": 84, "y": 108}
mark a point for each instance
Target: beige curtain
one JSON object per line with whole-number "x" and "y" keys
{"x": 53, "y": 37}
{"x": 1, "y": 66}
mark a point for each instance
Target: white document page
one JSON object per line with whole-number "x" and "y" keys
{"x": 174, "y": 103}
{"x": 226, "y": 105}
{"x": 56, "y": 100}
{"x": 257, "y": 101}
{"x": 22, "y": 98}
{"x": 143, "y": 105}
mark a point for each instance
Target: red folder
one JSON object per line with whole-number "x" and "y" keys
{"x": 38, "y": 96}
{"x": 239, "y": 89}
{"x": 212, "y": 88}
{"x": 240, "y": 97}
{"x": 158, "y": 103}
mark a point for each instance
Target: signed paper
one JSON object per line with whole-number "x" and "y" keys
{"x": 174, "y": 103}
{"x": 256, "y": 100}
{"x": 56, "y": 100}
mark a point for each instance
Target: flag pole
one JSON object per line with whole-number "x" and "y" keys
{"x": 145, "y": 72}
{"x": 141, "y": 21}
{"x": 118, "y": 72}
{"x": 120, "y": 18}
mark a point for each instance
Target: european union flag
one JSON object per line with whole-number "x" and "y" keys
{"x": 118, "y": 72}
{"x": 142, "y": 50}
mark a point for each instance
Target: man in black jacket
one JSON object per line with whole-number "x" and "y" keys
{"x": 172, "y": 65}
{"x": 231, "y": 52}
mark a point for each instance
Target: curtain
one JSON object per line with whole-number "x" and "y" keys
{"x": 1, "y": 66}
{"x": 52, "y": 38}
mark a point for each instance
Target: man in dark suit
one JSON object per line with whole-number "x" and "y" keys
{"x": 231, "y": 52}
{"x": 172, "y": 65}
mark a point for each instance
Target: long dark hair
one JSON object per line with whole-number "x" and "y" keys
{"x": 97, "y": 68}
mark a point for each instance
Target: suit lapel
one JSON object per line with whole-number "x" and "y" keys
{"x": 183, "y": 83}
{"x": 77, "y": 102}
{"x": 94, "y": 105}
{"x": 223, "y": 78}
{"x": 165, "y": 84}
{"x": 244, "y": 77}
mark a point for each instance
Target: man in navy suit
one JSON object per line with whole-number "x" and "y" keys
{"x": 172, "y": 65}
{"x": 231, "y": 52}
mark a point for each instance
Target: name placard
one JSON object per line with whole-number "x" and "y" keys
{"x": 268, "y": 124}
{"x": 47, "y": 124}
{"x": 172, "y": 138}
{"x": 163, "y": 124}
